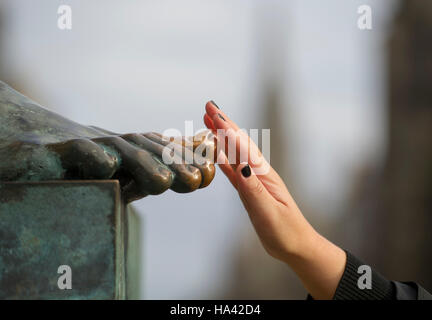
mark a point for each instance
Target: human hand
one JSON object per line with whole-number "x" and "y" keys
{"x": 276, "y": 218}
{"x": 279, "y": 223}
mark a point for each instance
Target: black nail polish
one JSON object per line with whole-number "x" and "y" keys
{"x": 246, "y": 171}
{"x": 214, "y": 103}
{"x": 220, "y": 116}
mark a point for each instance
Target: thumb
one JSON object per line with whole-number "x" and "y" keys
{"x": 255, "y": 197}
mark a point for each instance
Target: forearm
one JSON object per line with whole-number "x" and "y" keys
{"x": 328, "y": 272}
{"x": 318, "y": 263}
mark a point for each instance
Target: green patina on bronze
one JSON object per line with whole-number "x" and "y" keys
{"x": 39, "y": 145}
{"x": 45, "y": 225}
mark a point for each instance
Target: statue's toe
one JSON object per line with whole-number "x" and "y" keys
{"x": 138, "y": 161}
{"x": 84, "y": 159}
{"x": 140, "y": 172}
{"x": 187, "y": 177}
{"x": 195, "y": 153}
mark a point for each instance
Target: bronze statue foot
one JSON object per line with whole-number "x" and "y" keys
{"x": 37, "y": 144}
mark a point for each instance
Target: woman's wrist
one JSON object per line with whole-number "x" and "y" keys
{"x": 318, "y": 262}
{"x": 301, "y": 240}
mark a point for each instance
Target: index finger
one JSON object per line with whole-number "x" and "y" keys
{"x": 212, "y": 109}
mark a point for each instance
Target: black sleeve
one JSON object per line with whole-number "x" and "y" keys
{"x": 381, "y": 288}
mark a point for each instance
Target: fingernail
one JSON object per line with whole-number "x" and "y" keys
{"x": 246, "y": 171}
{"x": 220, "y": 116}
{"x": 214, "y": 103}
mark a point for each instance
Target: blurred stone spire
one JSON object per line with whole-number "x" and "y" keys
{"x": 394, "y": 203}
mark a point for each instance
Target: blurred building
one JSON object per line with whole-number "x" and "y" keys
{"x": 392, "y": 213}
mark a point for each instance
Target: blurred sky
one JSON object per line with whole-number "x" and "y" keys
{"x": 149, "y": 65}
